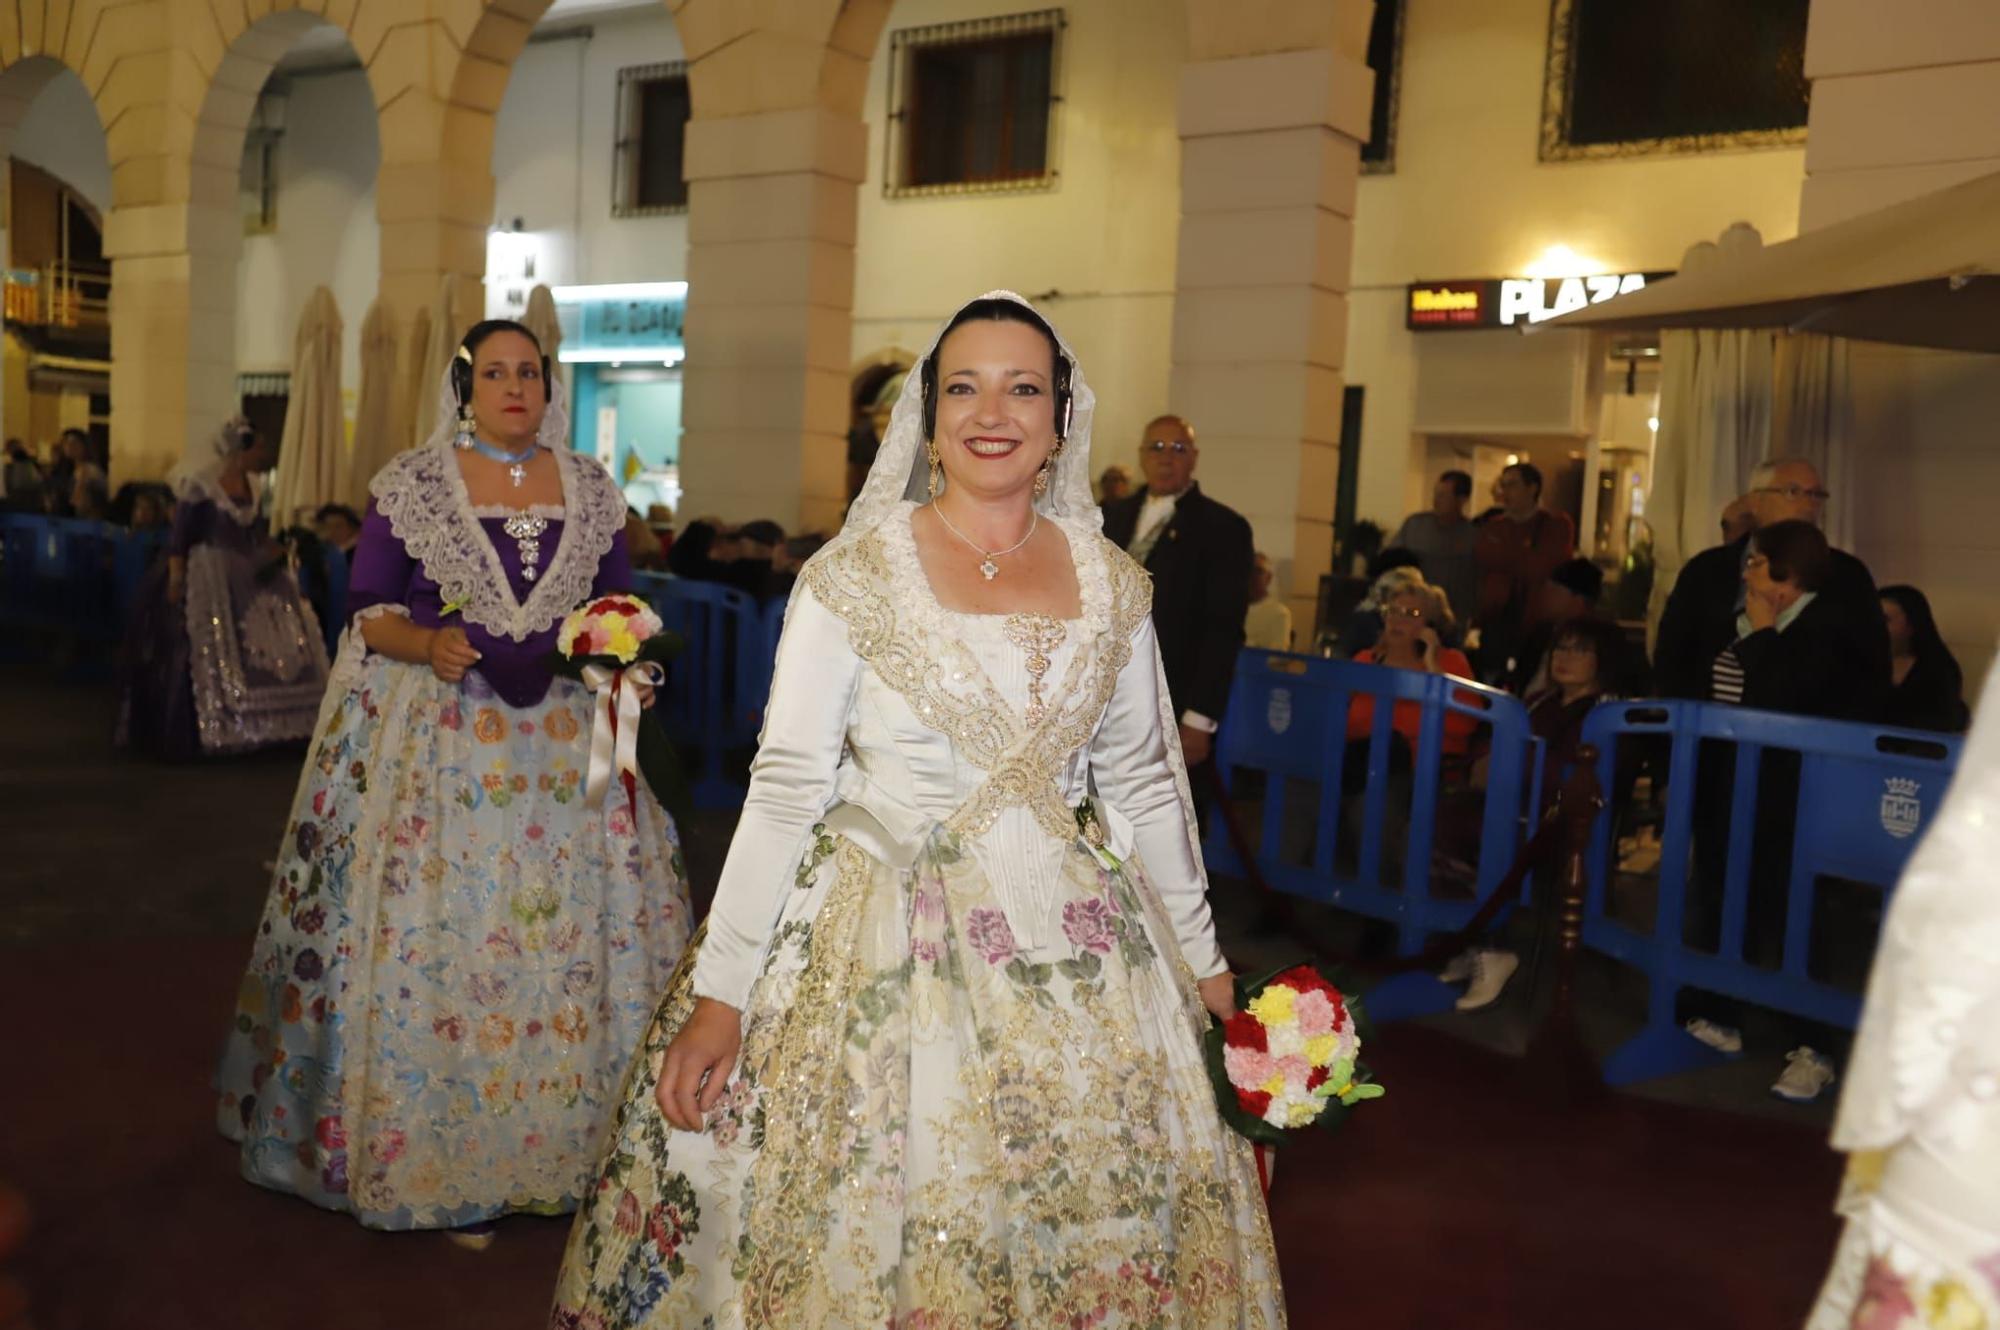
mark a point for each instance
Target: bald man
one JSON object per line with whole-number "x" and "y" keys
{"x": 1201, "y": 556}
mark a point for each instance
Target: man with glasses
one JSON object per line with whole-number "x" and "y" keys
{"x": 1701, "y": 615}
{"x": 1779, "y": 621}
{"x": 1200, "y": 555}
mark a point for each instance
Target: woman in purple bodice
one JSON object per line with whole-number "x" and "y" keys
{"x": 460, "y": 949}
{"x": 223, "y": 654}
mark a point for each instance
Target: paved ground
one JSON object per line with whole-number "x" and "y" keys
{"x": 128, "y": 892}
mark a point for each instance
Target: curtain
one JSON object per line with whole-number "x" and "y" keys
{"x": 1811, "y": 415}
{"x": 1716, "y": 397}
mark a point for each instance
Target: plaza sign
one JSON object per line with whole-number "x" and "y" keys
{"x": 1511, "y": 302}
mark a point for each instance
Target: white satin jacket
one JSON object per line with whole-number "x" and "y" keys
{"x": 892, "y": 719}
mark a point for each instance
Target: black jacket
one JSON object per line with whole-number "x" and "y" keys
{"x": 1201, "y": 590}
{"x": 1833, "y": 661}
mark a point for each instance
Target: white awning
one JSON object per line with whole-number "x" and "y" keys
{"x": 1925, "y": 272}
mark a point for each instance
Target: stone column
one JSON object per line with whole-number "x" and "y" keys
{"x": 776, "y": 152}
{"x": 771, "y": 217}
{"x": 1274, "y": 107}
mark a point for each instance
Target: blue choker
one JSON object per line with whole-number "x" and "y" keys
{"x": 516, "y": 463}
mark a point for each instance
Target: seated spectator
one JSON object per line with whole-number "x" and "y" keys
{"x": 641, "y": 543}
{"x": 1408, "y": 642}
{"x": 1571, "y": 592}
{"x": 1390, "y": 571}
{"x": 786, "y": 562}
{"x": 1268, "y": 624}
{"x": 339, "y": 526}
{"x": 757, "y": 544}
{"x": 150, "y": 511}
{"x": 694, "y": 553}
{"x": 1927, "y": 689}
{"x": 1583, "y": 656}
{"x": 1583, "y": 669}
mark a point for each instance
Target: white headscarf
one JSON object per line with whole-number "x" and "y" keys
{"x": 554, "y": 433}
{"x": 902, "y": 469}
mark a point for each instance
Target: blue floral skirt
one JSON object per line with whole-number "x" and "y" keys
{"x": 458, "y": 956}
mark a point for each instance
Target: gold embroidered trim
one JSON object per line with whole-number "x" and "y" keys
{"x": 1024, "y": 755}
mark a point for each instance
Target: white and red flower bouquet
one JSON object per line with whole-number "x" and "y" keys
{"x": 1288, "y": 1059}
{"x": 614, "y": 645}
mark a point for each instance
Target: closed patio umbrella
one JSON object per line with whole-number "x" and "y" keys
{"x": 376, "y": 438}
{"x": 311, "y": 464}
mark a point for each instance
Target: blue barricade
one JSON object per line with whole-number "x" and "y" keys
{"x": 1288, "y": 718}
{"x": 71, "y": 575}
{"x": 715, "y": 699}
{"x": 337, "y": 572}
{"x": 1865, "y": 793}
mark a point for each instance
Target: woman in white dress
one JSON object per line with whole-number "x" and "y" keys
{"x": 936, "y": 1060}
{"x": 1920, "y": 1114}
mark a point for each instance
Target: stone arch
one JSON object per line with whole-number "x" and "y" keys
{"x": 75, "y": 302}
{"x": 250, "y": 51}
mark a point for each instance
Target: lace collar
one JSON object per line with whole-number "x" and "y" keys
{"x": 913, "y": 589}
{"x": 424, "y": 497}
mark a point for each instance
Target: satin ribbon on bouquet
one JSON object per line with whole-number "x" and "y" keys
{"x": 614, "y": 728}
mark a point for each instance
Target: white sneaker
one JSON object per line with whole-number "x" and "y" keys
{"x": 1490, "y": 972}
{"x": 1805, "y": 1077}
{"x": 1459, "y": 968}
{"x": 1721, "y": 1038}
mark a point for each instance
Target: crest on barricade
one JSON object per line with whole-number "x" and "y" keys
{"x": 1901, "y": 809}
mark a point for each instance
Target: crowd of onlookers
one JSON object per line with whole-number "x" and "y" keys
{"x": 1772, "y": 617}
{"x": 73, "y": 482}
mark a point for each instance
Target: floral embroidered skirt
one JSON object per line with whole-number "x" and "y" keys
{"x": 1921, "y": 1250}
{"x": 457, "y": 958}
{"x": 931, "y": 1126}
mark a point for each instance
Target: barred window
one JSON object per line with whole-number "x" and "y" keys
{"x": 653, "y": 109}
{"x": 1630, "y": 79}
{"x": 972, "y": 106}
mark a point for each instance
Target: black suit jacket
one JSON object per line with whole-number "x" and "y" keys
{"x": 1201, "y": 590}
{"x": 1833, "y": 661}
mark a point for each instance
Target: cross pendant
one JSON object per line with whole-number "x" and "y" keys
{"x": 989, "y": 570}
{"x": 518, "y": 474}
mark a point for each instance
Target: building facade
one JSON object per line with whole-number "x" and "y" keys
{"x": 1181, "y": 184}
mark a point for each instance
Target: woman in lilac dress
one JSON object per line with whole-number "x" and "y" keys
{"x": 223, "y": 654}
{"x": 460, "y": 949}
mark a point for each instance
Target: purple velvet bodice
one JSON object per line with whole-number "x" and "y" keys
{"x": 384, "y": 573}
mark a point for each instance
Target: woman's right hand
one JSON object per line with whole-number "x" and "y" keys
{"x": 451, "y": 655}
{"x": 698, "y": 1063}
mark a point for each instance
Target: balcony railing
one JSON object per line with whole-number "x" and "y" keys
{"x": 58, "y": 296}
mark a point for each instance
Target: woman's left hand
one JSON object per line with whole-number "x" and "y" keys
{"x": 1218, "y": 994}
{"x": 645, "y": 692}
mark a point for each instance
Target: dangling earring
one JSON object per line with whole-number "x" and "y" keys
{"x": 937, "y": 468}
{"x": 464, "y": 439}
{"x": 1048, "y": 466}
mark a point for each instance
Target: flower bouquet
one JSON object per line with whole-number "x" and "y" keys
{"x": 1288, "y": 1059}
{"x": 613, "y": 644}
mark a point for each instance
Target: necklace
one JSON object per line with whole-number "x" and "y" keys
{"x": 527, "y": 529}
{"x": 989, "y": 569}
{"x": 517, "y": 463}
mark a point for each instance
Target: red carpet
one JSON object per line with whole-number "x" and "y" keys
{"x": 1456, "y": 1203}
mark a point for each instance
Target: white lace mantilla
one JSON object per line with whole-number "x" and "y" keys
{"x": 207, "y": 485}
{"x": 424, "y": 497}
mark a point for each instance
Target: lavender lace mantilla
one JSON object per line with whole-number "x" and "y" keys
{"x": 424, "y": 498}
